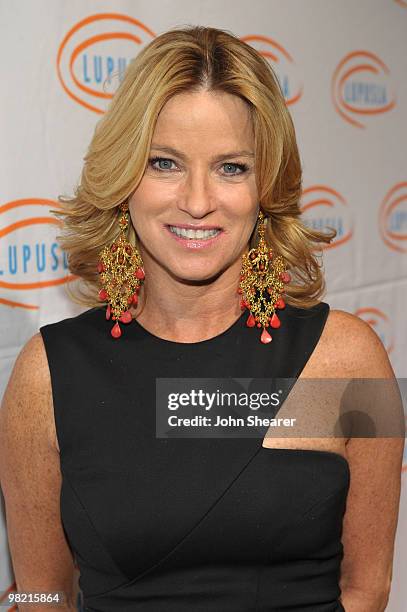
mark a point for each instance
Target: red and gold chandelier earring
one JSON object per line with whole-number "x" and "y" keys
{"x": 121, "y": 274}
{"x": 262, "y": 280}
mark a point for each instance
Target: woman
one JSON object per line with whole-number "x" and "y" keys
{"x": 194, "y": 164}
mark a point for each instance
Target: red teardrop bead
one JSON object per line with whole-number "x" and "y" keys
{"x": 139, "y": 273}
{"x": 250, "y": 321}
{"x": 116, "y": 331}
{"x": 265, "y": 336}
{"x": 101, "y": 267}
{"x": 102, "y": 295}
{"x": 239, "y": 290}
{"x": 108, "y": 312}
{"x": 135, "y": 298}
{"x": 285, "y": 277}
{"x": 126, "y": 317}
{"x": 280, "y": 303}
{"x": 275, "y": 321}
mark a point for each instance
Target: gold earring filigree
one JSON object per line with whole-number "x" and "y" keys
{"x": 262, "y": 280}
{"x": 121, "y": 274}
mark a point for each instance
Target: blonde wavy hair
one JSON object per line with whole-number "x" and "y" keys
{"x": 190, "y": 59}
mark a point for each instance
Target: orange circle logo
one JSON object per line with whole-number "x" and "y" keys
{"x": 393, "y": 218}
{"x": 95, "y": 50}
{"x": 381, "y": 324}
{"x": 30, "y": 263}
{"x": 324, "y": 207}
{"x": 282, "y": 63}
{"x": 361, "y": 87}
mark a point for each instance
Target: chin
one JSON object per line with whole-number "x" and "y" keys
{"x": 196, "y": 276}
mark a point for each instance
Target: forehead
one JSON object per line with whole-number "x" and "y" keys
{"x": 203, "y": 115}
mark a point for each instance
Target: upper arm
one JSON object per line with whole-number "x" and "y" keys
{"x": 372, "y": 507}
{"x": 30, "y": 477}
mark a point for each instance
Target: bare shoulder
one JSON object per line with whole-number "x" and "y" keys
{"x": 350, "y": 347}
{"x": 30, "y": 477}
{"x": 27, "y": 407}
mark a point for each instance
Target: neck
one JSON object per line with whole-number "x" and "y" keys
{"x": 183, "y": 312}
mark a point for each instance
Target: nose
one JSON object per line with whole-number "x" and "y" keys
{"x": 197, "y": 197}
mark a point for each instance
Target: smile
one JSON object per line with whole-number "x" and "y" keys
{"x": 194, "y": 239}
{"x": 193, "y": 234}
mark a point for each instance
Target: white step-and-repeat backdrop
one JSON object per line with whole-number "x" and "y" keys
{"x": 343, "y": 69}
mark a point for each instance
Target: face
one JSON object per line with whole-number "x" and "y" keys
{"x": 200, "y": 175}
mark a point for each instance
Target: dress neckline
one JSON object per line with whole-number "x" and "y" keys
{"x": 261, "y": 449}
{"x": 207, "y": 341}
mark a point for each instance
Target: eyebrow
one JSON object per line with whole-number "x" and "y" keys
{"x": 172, "y": 151}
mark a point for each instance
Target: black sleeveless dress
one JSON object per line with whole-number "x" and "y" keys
{"x": 190, "y": 525}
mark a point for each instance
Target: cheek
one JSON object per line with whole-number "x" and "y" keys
{"x": 242, "y": 194}
{"x": 140, "y": 204}
{"x": 151, "y": 196}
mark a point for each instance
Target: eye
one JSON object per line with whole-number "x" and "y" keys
{"x": 164, "y": 163}
{"x": 242, "y": 167}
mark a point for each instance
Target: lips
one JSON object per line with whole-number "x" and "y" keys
{"x": 193, "y": 243}
{"x": 194, "y": 227}
{"x": 194, "y": 234}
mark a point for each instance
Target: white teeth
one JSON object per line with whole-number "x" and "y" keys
{"x": 189, "y": 233}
